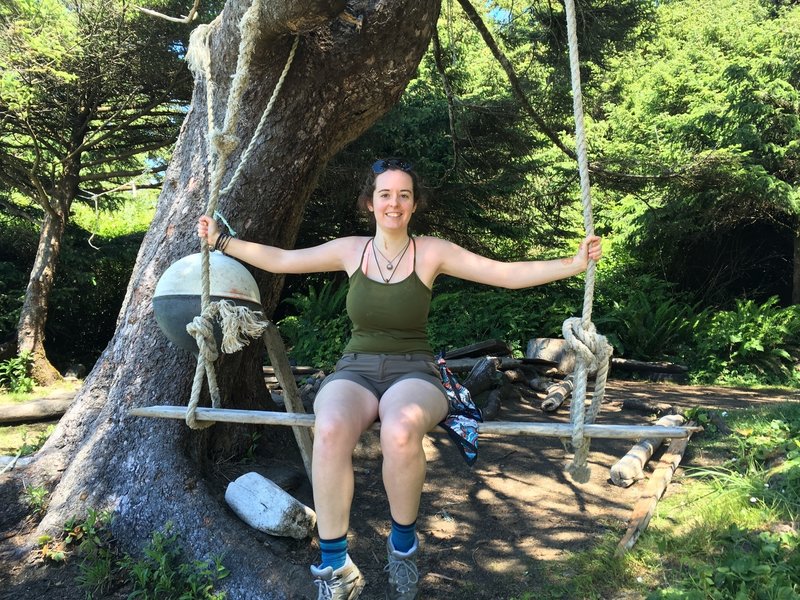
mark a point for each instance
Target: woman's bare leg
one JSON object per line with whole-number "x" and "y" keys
{"x": 344, "y": 410}
{"x": 408, "y": 410}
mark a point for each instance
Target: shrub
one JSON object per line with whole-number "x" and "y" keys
{"x": 318, "y": 332}
{"x": 15, "y": 374}
{"x": 35, "y": 497}
{"x": 644, "y": 318}
{"x": 465, "y": 315}
{"x": 163, "y": 574}
{"x": 750, "y": 344}
{"x": 29, "y": 448}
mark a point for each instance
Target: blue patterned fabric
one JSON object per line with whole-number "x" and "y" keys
{"x": 463, "y": 417}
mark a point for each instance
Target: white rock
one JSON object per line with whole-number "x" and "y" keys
{"x": 265, "y": 506}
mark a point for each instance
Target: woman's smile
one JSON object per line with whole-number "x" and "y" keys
{"x": 393, "y": 200}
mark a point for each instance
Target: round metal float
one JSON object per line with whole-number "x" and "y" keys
{"x": 176, "y": 301}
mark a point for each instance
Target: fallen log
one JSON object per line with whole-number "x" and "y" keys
{"x": 479, "y": 350}
{"x": 461, "y": 365}
{"x": 263, "y": 505}
{"x": 540, "y": 384}
{"x": 627, "y": 364}
{"x": 35, "y": 410}
{"x": 557, "y": 393}
{"x": 12, "y": 462}
{"x": 646, "y": 505}
{"x": 491, "y": 404}
{"x": 630, "y": 468}
{"x": 483, "y": 376}
{"x": 552, "y": 349}
{"x": 515, "y": 376}
{"x": 268, "y": 370}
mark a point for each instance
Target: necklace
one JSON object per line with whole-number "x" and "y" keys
{"x": 391, "y": 263}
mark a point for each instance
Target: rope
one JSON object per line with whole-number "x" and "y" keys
{"x": 592, "y": 351}
{"x": 238, "y": 323}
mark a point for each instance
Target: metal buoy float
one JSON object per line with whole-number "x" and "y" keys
{"x": 176, "y": 301}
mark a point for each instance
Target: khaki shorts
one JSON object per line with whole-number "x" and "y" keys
{"x": 378, "y": 372}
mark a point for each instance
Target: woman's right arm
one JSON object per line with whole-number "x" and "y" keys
{"x": 330, "y": 256}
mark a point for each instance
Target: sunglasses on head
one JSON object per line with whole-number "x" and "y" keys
{"x": 383, "y": 165}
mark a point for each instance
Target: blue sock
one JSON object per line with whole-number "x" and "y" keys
{"x": 403, "y": 536}
{"x": 334, "y": 552}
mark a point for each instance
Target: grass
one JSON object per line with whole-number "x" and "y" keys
{"x": 729, "y": 531}
{"x": 30, "y": 436}
{"x": 65, "y": 385}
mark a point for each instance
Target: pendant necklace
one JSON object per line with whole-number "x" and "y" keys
{"x": 390, "y": 264}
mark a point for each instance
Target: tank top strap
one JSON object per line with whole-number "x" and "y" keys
{"x": 414, "y": 243}
{"x": 363, "y": 254}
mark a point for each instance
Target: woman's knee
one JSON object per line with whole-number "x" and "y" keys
{"x": 401, "y": 436}
{"x": 335, "y": 431}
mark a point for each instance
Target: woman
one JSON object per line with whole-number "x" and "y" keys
{"x": 387, "y": 371}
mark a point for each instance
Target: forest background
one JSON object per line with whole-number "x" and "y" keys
{"x": 693, "y": 119}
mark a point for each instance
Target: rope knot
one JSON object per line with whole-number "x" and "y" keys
{"x": 202, "y": 330}
{"x": 584, "y": 341}
{"x": 592, "y": 353}
{"x": 223, "y": 143}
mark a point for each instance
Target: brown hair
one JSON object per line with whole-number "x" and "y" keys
{"x": 391, "y": 164}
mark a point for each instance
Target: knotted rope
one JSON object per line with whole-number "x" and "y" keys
{"x": 592, "y": 351}
{"x": 238, "y": 323}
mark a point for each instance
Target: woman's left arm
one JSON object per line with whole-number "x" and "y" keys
{"x": 461, "y": 263}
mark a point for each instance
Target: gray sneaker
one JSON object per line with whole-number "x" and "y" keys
{"x": 345, "y": 583}
{"x": 403, "y": 574}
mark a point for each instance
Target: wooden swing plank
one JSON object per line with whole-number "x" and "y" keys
{"x": 560, "y": 430}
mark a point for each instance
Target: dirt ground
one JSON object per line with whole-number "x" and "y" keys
{"x": 492, "y": 531}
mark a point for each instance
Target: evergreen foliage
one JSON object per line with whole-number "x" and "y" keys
{"x": 709, "y": 108}
{"x": 692, "y": 115}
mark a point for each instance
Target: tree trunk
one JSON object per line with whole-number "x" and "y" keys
{"x": 33, "y": 317}
{"x": 151, "y": 471}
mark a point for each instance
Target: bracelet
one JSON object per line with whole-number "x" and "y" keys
{"x": 218, "y": 245}
{"x": 224, "y": 245}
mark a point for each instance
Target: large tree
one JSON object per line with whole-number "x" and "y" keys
{"x": 343, "y": 78}
{"x": 90, "y": 92}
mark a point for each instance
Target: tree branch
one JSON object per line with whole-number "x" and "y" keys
{"x": 185, "y": 19}
{"x": 118, "y": 174}
{"x": 39, "y": 195}
{"x": 12, "y": 209}
{"x": 516, "y": 87}
{"x": 125, "y": 122}
{"x": 130, "y": 153}
{"x": 448, "y": 92}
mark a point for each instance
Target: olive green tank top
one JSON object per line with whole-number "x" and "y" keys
{"x": 388, "y": 318}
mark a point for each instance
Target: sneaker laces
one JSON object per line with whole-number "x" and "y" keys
{"x": 404, "y": 573}
{"x": 325, "y": 589}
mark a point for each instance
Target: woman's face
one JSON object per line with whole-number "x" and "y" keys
{"x": 393, "y": 200}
